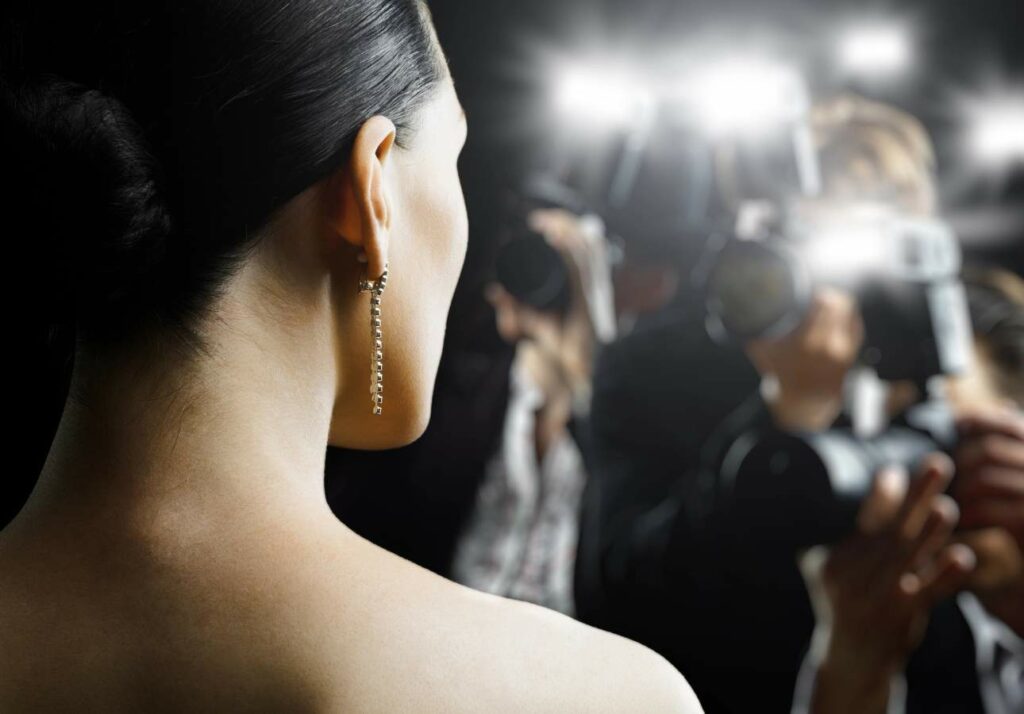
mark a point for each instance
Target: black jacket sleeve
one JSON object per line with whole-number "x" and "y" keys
{"x": 654, "y": 562}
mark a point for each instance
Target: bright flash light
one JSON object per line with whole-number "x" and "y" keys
{"x": 602, "y": 98}
{"x": 997, "y": 130}
{"x": 845, "y": 251}
{"x": 875, "y": 49}
{"x": 745, "y": 96}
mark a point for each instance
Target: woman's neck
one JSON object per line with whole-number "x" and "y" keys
{"x": 245, "y": 426}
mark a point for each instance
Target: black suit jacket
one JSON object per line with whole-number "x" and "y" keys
{"x": 657, "y": 562}
{"x": 942, "y": 675}
{"x": 654, "y": 563}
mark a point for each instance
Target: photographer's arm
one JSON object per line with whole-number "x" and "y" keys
{"x": 803, "y": 372}
{"x": 644, "y": 532}
{"x": 875, "y": 590}
{"x": 830, "y": 691}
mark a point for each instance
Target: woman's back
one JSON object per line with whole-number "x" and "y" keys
{"x": 277, "y": 618}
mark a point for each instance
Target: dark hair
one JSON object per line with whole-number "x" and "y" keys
{"x": 146, "y": 143}
{"x": 995, "y": 299}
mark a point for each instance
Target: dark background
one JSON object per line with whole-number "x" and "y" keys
{"x": 501, "y": 53}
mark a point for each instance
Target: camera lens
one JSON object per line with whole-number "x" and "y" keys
{"x": 754, "y": 290}
{"x": 533, "y": 272}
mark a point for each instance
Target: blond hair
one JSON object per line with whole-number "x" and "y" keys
{"x": 869, "y": 151}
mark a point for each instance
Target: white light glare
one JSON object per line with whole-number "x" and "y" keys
{"x": 604, "y": 98}
{"x": 875, "y": 49}
{"x": 845, "y": 251}
{"x": 744, "y": 96}
{"x": 997, "y": 130}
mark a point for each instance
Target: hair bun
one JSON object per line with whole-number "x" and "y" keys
{"x": 84, "y": 212}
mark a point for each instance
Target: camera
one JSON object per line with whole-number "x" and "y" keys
{"x": 795, "y": 490}
{"x": 792, "y": 491}
{"x": 903, "y": 270}
{"x": 532, "y": 271}
{"x": 526, "y": 265}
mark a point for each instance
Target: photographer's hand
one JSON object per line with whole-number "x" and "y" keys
{"x": 990, "y": 470}
{"x": 877, "y": 588}
{"x": 990, "y": 490}
{"x": 808, "y": 366}
{"x": 590, "y": 319}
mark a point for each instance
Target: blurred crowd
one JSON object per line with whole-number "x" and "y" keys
{"x": 824, "y": 515}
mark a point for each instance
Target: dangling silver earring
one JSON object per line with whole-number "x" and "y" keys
{"x": 376, "y": 289}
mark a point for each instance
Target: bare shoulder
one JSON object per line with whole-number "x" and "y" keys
{"x": 590, "y": 670}
{"x": 308, "y": 618}
{"x": 475, "y": 652}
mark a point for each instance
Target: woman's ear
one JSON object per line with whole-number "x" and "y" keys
{"x": 360, "y": 206}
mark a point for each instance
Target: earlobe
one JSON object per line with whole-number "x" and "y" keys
{"x": 361, "y": 209}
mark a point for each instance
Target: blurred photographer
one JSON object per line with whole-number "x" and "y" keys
{"x": 553, "y": 301}
{"x": 875, "y": 593}
{"x": 990, "y": 459}
{"x": 657, "y": 562}
{"x": 873, "y": 158}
